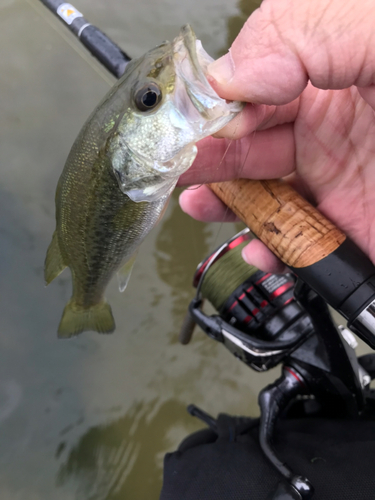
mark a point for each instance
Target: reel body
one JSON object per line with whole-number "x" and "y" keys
{"x": 266, "y": 319}
{"x": 259, "y": 320}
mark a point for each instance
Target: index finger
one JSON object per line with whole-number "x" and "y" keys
{"x": 265, "y": 154}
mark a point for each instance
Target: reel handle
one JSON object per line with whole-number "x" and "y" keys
{"x": 313, "y": 247}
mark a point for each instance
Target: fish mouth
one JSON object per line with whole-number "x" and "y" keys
{"x": 194, "y": 96}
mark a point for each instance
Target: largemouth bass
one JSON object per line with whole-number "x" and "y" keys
{"x": 122, "y": 169}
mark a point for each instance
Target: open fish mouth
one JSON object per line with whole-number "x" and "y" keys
{"x": 198, "y": 99}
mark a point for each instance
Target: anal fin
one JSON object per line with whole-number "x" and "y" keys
{"x": 123, "y": 274}
{"x": 54, "y": 264}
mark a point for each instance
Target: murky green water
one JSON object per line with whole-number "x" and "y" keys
{"x": 91, "y": 418}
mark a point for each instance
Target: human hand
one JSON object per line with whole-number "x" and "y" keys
{"x": 308, "y": 68}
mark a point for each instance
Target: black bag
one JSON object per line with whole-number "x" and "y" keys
{"x": 337, "y": 456}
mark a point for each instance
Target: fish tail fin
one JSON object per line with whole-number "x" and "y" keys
{"x": 76, "y": 319}
{"x": 54, "y": 263}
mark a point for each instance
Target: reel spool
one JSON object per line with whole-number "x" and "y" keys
{"x": 258, "y": 319}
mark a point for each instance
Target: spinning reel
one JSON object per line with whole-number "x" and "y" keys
{"x": 265, "y": 319}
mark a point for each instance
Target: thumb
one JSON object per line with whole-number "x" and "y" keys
{"x": 285, "y": 43}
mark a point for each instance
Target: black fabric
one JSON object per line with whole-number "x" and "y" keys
{"x": 337, "y": 456}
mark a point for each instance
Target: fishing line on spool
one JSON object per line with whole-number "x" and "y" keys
{"x": 225, "y": 276}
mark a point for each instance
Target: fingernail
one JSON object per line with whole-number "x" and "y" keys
{"x": 222, "y": 70}
{"x": 244, "y": 256}
{"x": 182, "y": 201}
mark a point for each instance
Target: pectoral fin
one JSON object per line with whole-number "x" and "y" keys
{"x": 123, "y": 275}
{"x": 54, "y": 263}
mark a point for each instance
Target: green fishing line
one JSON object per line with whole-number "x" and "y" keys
{"x": 225, "y": 275}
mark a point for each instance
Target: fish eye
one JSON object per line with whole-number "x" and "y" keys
{"x": 147, "y": 97}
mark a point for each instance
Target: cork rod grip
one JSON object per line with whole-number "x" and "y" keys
{"x": 292, "y": 229}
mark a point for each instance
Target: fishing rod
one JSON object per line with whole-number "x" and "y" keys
{"x": 97, "y": 43}
{"x": 315, "y": 250}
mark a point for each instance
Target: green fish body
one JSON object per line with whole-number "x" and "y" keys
{"x": 121, "y": 170}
